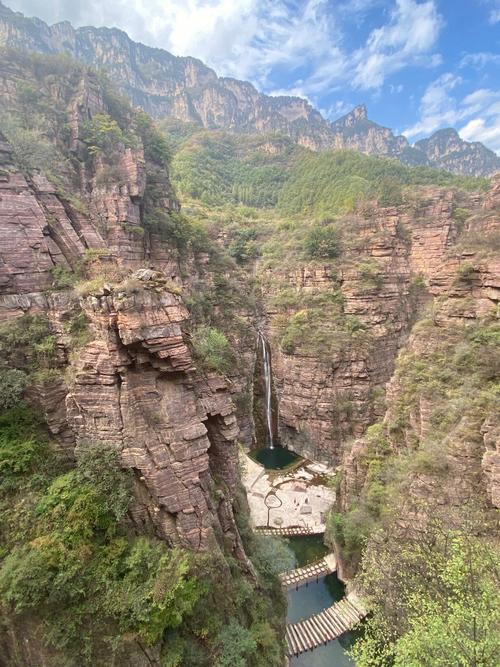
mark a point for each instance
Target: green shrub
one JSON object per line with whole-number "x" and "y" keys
{"x": 390, "y": 192}
{"x": 62, "y": 277}
{"x": 156, "y": 145}
{"x": 466, "y": 272}
{"x": 243, "y": 246}
{"x": 12, "y": 384}
{"x": 434, "y": 600}
{"x": 103, "y": 135}
{"x": 78, "y": 559}
{"x": 370, "y": 274}
{"x": 27, "y": 344}
{"x": 32, "y": 151}
{"x": 271, "y": 555}
{"x": 23, "y": 446}
{"x": 78, "y": 328}
{"x": 213, "y": 350}
{"x": 177, "y": 229}
{"x": 461, "y": 215}
{"x": 236, "y": 646}
{"x": 323, "y": 242}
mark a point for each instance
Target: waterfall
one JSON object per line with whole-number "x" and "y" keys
{"x": 268, "y": 385}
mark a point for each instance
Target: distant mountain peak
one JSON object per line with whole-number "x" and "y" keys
{"x": 359, "y": 112}
{"x": 446, "y": 132}
{"x": 185, "y": 89}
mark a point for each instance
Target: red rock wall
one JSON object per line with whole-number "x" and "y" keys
{"x": 134, "y": 384}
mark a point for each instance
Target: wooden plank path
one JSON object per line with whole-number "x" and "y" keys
{"x": 325, "y": 626}
{"x": 289, "y": 532}
{"x": 311, "y": 572}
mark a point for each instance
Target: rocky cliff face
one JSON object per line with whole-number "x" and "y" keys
{"x": 440, "y": 429}
{"x": 167, "y": 86}
{"x": 355, "y": 131}
{"x": 326, "y": 399}
{"x": 446, "y": 150}
{"x": 395, "y": 261}
{"x": 134, "y": 383}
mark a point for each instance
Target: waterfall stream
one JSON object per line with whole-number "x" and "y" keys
{"x": 268, "y": 385}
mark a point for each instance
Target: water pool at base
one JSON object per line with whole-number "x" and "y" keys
{"x": 275, "y": 458}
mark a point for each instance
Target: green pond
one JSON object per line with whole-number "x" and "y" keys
{"x": 307, "y": 548}
{"x": 274, "y": 458}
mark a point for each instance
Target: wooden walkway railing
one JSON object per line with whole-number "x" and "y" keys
{"x": 310, "y": 572}
{"x": 325, "y": 626}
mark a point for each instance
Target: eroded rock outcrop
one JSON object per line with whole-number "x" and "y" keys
{"x": 135, "y": 386}
{"x": 132, "y": 382}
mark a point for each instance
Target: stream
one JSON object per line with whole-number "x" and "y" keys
{"x": 315, "y": 597}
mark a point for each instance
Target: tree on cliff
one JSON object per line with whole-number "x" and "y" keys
{"x": 436, "y": 603}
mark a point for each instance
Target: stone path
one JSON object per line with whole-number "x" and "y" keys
{"x": 325, "y": 626}
{"x": 305, "y": 500}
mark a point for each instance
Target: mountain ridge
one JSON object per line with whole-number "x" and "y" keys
{"x": 184, "y": 88}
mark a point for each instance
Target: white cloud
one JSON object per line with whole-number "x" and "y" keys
{"x": 407, "y": 39}
{"x": 336, "y": 110}
{"x": 396, "y": 89}
{"x": 266, "y": 41}
{"x": 480, "y": 60}
{"x": 244, "y": 38}
{"x": 479, "y": 129}
{"x": 437, "y": 107}
{"x": 441, "y": 107}
{"x": 494, "y": 11}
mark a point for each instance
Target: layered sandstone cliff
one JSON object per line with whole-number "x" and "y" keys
{"x": 133, "y": 383}
{"x": 436, "y": 448}
{"x": 395, "y": 261}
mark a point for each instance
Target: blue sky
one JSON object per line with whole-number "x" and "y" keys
{"x": 418, "y": 65}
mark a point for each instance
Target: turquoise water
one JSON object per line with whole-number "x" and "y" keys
{"x": 314, "y": 598}
{"x": 276, "y": 458}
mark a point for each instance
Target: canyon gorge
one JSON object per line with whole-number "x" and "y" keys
{"x": 176, "y": 295}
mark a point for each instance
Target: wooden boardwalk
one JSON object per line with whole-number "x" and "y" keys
{"x": 312, "y": 572}
{"x": 325, "y": 626}
{"x": 293, "y": 531}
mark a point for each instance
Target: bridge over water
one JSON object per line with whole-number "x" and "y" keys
{"x": 312, "y": 572}
{"x": 321, "y": 628}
